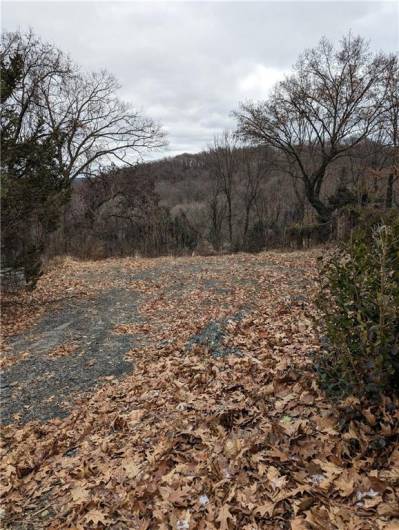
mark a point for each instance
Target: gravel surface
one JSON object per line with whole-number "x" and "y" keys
{"x": 42, "y": 385}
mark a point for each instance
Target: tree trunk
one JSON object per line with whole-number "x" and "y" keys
{"x": 246, "y": 225}
{"x": 323, "y": 211}
{"x": 389, "y": 192}
{"x": 230, "y": 220}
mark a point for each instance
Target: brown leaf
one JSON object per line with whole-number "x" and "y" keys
{"x": 95, "y": 516}
{"x": 265, "y": 508}
{"x": 224, "y": 516}
{"x": 80, "y": 494}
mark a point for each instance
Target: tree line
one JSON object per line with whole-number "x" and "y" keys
{"x": 324, "y": 141}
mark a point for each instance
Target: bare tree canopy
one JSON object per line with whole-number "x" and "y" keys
{"x": 57, "y": 123}
{"x": 333, "y": 100}
{"x": 82, "y": 111}
{"x": 223, "y": 156}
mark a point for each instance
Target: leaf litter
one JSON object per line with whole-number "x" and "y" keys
{"x": 191, "y": 439}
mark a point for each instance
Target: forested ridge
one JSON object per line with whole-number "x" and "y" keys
{"x": 174, "y": 205}
{"x": 324, "y": 143}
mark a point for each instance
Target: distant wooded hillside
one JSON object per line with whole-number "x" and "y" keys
{"x": 181, "y": 204}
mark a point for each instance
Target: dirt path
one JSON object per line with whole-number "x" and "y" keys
{"x": 75, "y": 346}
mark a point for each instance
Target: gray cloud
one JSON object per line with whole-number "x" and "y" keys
{"x": 188, "y": 64}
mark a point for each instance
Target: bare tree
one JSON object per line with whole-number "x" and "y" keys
{"x": 255, "y": 163}
{"x": 81, "y": 112}
{"x": 223, "y": 159}
{"x": 216, "y": 206}
{"x": 331, "y": 102}
{"x": 27, "y": 63}
{"x": 96, "y": 126}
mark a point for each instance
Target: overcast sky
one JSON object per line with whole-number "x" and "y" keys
{"x": 189, "y": 64}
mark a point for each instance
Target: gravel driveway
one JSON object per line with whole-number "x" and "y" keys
{"x": 73, "y": 347}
